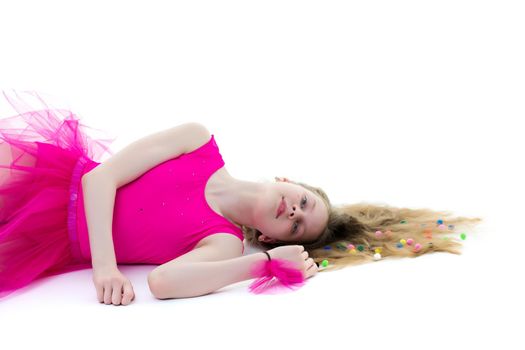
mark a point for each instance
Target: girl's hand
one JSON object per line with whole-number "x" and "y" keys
{"x": 112, "y": 286}
{"x": 297, "y": 255}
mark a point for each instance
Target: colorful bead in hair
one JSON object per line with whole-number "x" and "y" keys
{"x": 340, "y": 246}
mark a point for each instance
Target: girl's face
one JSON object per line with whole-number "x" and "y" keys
{"x": 304, "y": 218}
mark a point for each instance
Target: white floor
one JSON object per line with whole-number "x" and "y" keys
{"x": 475, "y": 298}
{"x": 406, "y": 102}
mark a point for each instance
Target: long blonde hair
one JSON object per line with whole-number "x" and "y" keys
{"x": 357, "y": 224}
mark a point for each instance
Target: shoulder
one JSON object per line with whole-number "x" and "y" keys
{"x": 151, "y": 150}
{"x": 198, "y": 135}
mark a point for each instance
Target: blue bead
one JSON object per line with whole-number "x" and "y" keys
{"x": 399, "y": 245}
{"x": 327, "y": 247}
{"x": 439, "y": 222}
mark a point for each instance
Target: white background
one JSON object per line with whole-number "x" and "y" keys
{"x": 407, "y": 103}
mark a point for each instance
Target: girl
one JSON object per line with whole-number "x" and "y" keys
{"x": 167, "y": 199}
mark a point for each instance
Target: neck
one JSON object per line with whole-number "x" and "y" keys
{"x": 237, "y": 200}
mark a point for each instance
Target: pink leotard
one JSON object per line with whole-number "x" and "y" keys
{"x": 162, "y": 214}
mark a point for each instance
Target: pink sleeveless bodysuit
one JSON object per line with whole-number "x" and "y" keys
{"x": 162, "y": 214}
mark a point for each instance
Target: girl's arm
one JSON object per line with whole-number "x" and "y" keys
{"x": 99, "y": 200}
{"x": 192, "y": 279}
{"x": 101, "y": 183}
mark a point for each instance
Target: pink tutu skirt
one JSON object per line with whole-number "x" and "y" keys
{"x": 42, "y": 153}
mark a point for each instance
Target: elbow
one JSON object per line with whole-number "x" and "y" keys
{"x": 155, "y": 286}
{"x": 163, "y": 287}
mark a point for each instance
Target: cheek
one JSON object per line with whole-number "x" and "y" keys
{"x": 273, "y": 228}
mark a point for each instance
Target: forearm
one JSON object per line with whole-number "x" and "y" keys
{"x": 200, "y": 278}
{"x": 99, "y": 201}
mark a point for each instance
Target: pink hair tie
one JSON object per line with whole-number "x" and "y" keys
{"x": 283, "y": 270}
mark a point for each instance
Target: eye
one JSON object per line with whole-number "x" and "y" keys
{"x": 295, "y": 225}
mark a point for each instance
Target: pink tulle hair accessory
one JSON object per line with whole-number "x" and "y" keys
{"x": 286, "y": 275}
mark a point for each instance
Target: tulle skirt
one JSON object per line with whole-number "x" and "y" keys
{"x": 42, "y": 150}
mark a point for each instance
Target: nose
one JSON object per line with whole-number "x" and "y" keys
{"x": 292, "y": 213}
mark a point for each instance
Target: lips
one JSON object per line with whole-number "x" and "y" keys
{"x": 281, "y": 207}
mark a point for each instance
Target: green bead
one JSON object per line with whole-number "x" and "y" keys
{"x": 324, "y": 263}
{"x": 360, "y": 248}
{"x": 403, "y": 221}
{"x": 341, "y": 246}
{"x": 463, "y": 236}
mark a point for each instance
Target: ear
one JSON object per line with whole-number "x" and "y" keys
{"x": 266, "y": 239}
{"x": 281, "y": 179}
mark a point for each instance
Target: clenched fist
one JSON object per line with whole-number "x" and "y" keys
{"x": 112, "y": 286}
{"x": 297, "y": 255}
